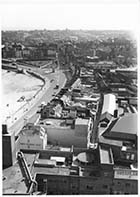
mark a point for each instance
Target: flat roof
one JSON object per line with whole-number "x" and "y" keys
{"x": 87, "y": 98}
{"x": 45, "y": 162}
{"x": 126, "y": 174}
{"x": 14, "y": 184}
{"x": 52, "y": 171}
{"x": 53, "y": 122}
{"x": 58, "y": 159}
{"x": 104, "y": 140}
{"x": 61, "y": 122}
{"x": 105, "y": 155}
{"x": 81, "y": 121}
{"x": 132, "y": 69}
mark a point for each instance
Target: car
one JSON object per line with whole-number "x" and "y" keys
{"x": 38, "y": 112}
{"x": 48, "y": 123}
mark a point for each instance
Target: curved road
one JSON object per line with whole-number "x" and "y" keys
{"x": 46, "y": 96}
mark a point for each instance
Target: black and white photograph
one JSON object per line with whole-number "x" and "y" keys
{"x": 69, "y": 97}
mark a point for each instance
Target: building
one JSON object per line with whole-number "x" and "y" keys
{"x": 74, "y": 171}
{"x": 32, "y": 137}
{"x": 67, "y": 132}
{"x": 121, "y": 136}
{"x": 83, "y": 171}
{"x": 123, "y": 129}
{"x": 10, "y": 146}
{"x": 101, "y": 65}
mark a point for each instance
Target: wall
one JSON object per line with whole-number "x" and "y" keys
{"x": 32, "y": 142}
{"x": 95, "y": 185}
{"x": 67, "y": 185}
{"x": 10, "y": 146}
{"x": 36, "y": 75}
{"x": 46, "y": 154}
{"x": 67, "y": 137}
{"x": 7, "y": 152}
{"x": 122, "y": 186}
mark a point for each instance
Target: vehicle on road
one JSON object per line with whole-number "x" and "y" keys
{"x": 56, "y": 87}
{"x": 22, "y": 98}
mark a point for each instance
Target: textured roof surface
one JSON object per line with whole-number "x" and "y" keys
{"x": 126, "y": 124}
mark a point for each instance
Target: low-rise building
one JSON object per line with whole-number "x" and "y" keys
{"x": 67, "y": 132}
{"x": 33, "y": 137}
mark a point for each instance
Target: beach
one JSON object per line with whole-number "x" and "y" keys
{"x": 17, "y": 90}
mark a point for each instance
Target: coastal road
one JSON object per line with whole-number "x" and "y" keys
{"x": 46, "y": 96}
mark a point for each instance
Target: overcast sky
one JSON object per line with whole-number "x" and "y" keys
{"x": 70, "y": 15}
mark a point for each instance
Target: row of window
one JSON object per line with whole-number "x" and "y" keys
{"x": 128, "y": 156}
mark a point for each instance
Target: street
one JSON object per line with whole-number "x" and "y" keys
{"x": 47, "y": 96}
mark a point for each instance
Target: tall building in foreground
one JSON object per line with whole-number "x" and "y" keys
{"x": 74, "y": 171}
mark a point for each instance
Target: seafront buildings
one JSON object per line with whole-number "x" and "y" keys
{"x": 84, "y": 139}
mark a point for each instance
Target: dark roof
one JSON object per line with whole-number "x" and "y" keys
{"x": 123, "y": 128}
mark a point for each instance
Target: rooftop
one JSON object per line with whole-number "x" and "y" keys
{"x": 126, "y": 174}
{"x": 126, "y": 124}
{"x": 124, "y": 128}
{"x": 85, "y": 157}
{"x": 55, "y": 170}
{"x": 106, "y": 156}
{"x": 109, "y": 104}
{"x": 14, "y": 181}
{"x": 63, "y": 123}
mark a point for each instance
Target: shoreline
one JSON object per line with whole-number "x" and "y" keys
{"x": 22, "y": 109}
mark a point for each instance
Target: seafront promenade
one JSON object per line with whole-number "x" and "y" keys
{"x": 44, "y": 94}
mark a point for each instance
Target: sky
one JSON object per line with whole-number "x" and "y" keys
{"x": 101, "y": 14}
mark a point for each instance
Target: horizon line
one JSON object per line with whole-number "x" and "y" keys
{"x": 81, "y": 29}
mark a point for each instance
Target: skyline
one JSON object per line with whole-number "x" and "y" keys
{"x": 69, "y": 16}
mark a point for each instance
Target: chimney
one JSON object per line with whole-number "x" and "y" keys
{"x": 115, "y": 113}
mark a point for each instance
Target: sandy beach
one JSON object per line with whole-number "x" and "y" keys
{"x": 17, "y": 89}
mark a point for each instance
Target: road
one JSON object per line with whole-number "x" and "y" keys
{"x": 46, "y": 96}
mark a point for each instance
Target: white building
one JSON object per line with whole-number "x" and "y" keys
{"x": 33, "y": 137}
{"x": 109, "y": 106}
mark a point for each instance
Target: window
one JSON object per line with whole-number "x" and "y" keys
{"x": 106, "y": 174}
{"x": 73, "y": 186}
{"x": 128, "y": 156}
{"x": 89, "y": 187}
{"x": 105, "y": 186}
{"x": 127, "y": 184}
{"x": 132, "y": 156}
